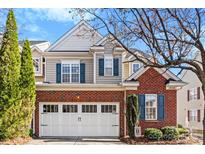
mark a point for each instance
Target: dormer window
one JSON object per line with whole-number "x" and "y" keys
{"x": 108, "y": 65}
{"x": 36, "y": 63}
{"x": 135, "y": 67}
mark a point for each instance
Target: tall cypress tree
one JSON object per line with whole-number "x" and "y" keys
{"x": 28, "y": 89}
{"x": 10, "y": 100}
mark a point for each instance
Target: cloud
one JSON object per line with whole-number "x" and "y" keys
{"x": 32, "y": 21}
{"x": 32, "y": 28}
{"x": 62, "y": 15}
{"x": 56, "y": 14}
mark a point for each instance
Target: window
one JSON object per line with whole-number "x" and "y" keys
{"x": 108, "y": 108}
{"x": 193, "y": 115}
{"x": 71, "y": 73}
{"x": 36, "y": 64}
{"x": 108, "y": 66}
{"x": 135, "y": 67}
{"x": 151, "y": 107}
{"x": 89, "y": 108}
{"x": 70, "y": 108}
{"x": 50, "y": 108}
{"x": 193, "y": 94}
{"x": 75, "y": 73}
{"x": 66, "y": 73}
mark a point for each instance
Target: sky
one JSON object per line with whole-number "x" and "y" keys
{"x": 42, "y": 24}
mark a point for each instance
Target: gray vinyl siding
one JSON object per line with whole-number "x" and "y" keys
{"x": 80, "y": 40}
{"x": 108, "y": 79}
{"x": 51, "y": 70}
{"x": 88, "y": 70}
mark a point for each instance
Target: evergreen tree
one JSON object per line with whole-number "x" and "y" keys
{"x": 28, "y": 90}
{"x": 10, "y": 100}
{"x": 132, "y": 114}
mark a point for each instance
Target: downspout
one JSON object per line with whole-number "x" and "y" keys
{"x": 125, "y": 126}
{"x": 34, "y": 124}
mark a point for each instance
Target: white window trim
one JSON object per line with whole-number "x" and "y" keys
{"x": 195, "y": 115}
{"x": 156, "y": 107}
{"x": 40, "y": 62}
{"x": 193, "y": 97}
{"x": 133, "y": 67}
{"x": 108, "y": 57}
{"x": 94, "y": 67}
{"x": 69, "y": 62}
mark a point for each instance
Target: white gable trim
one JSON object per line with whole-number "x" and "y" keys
{"x": 68, "y": 33}
{"x": 101, "y": 42}
{"x": 36, "y": 48}
{"x": 166, "y": 74}
{"x": 40, "y": 44}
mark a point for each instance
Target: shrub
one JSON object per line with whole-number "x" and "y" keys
{"x": 153, "y": 134}
{"x": 179, "y": 126}
{"x": 170, "y": 133}
{"x": 30, "y": 132}
{"x": 182, "y": 131}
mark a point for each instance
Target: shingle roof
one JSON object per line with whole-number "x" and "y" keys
{"x": 32, "y": 42}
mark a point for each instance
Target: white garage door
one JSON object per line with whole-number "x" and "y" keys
{"x": 75, "y": 119}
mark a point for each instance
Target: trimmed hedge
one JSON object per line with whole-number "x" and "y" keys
{"x": 153, "y": 134}
{"x": 182, "y": 131}
{"x": 170, "y": 133}
{"x": 179, "y": 126}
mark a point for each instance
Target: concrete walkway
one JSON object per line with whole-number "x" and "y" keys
{"x": 76, "y": 141}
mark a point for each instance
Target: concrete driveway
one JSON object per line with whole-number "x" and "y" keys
{"x": 76, "y": 141}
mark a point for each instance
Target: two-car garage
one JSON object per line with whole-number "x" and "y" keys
{"x": 78, "y": 119}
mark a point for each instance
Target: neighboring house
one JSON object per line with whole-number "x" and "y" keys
{"x": 190, "y": 101}
{"x": 86, "y": 83}
{"x": 38, "y": 48}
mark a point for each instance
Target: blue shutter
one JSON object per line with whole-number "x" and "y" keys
{"x": 82, "y": 73}
{"x": 115, "y": 66}
{"x": 58, "y": 73}
{"x": 161, "y": 110}
{"x": 142, "y": 106}
{"x": 101, "y": 67}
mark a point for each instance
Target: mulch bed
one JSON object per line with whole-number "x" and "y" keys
{"x": 17, "y": 141}
{"x": 144, "y": 141}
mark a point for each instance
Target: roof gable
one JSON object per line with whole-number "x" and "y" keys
{"x": 165, "y": 73}
{"x": 107, "y": 39}
{"x": 80, "y": 38}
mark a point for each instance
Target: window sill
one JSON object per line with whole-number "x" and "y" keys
{"x": 108, "y": 75}
{"x": 152, "y": 121}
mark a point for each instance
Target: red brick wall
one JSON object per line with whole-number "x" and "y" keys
{"x": 151, "y": 82}
{"x": 84, "y": 96}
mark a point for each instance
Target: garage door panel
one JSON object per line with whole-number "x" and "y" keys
{"x": 86, "y": 119}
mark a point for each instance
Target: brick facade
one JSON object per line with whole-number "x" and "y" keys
{"x": 151, "y": 82}
{"x": 80, "y": 96}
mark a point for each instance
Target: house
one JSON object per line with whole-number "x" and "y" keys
{"x": 190, "y": 101}
{"x": 86, "y": 82}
